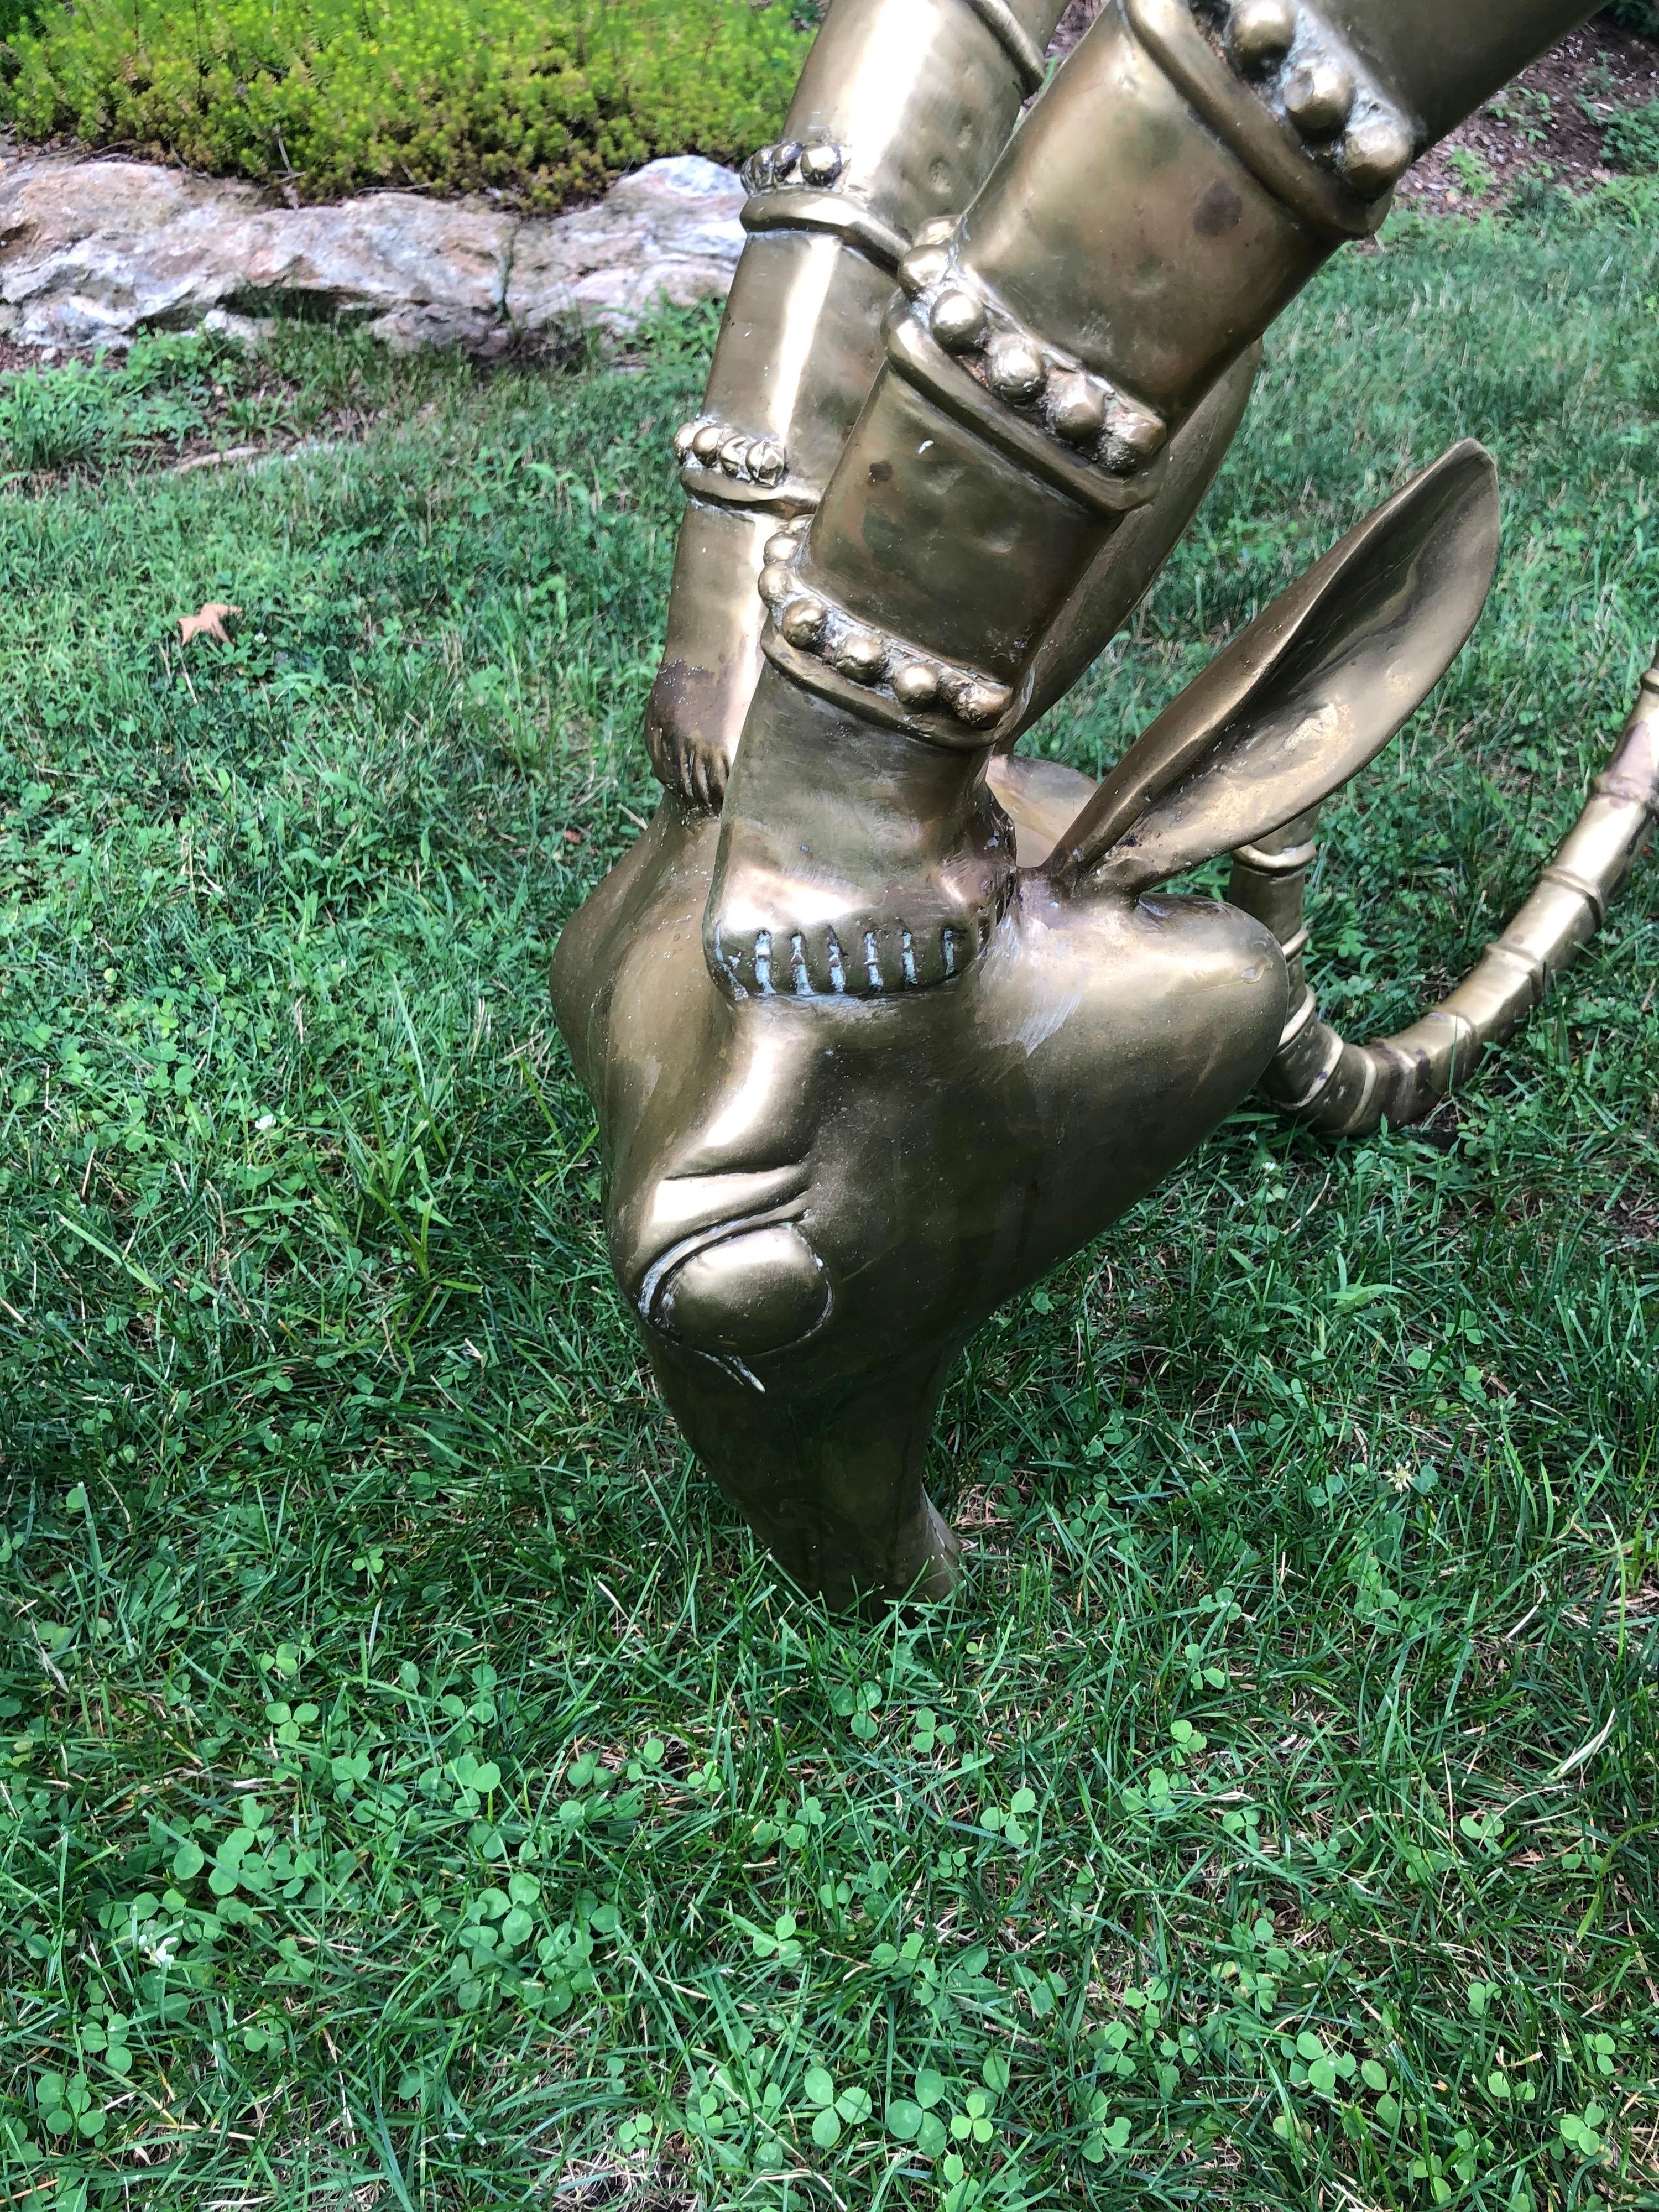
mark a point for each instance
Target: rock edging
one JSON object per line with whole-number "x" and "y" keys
{"x": 93, "y": 251}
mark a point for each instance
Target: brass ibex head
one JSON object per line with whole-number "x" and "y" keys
{"x": 813, "y": 1200}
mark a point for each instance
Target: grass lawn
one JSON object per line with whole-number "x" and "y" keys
{"x": 414, "y": 1789}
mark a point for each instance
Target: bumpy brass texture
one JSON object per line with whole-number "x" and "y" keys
{"x": 909, "y": 1018}
{"x": 902, "y": 108}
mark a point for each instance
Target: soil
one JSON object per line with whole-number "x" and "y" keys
{"x": 1547, "y": 125}
{"x": 1548, "y": 122}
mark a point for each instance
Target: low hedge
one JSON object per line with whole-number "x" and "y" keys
{"x": 544, "y": 100}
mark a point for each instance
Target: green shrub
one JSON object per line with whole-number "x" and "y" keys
{"x": 1631, "y": 141}
{"x": 22, "y": 16}
{"x": 545, "y": 99}
{"x": 1636, "y": 15}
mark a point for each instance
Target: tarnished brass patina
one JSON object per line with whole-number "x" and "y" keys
{"x": 909, "y": 1018}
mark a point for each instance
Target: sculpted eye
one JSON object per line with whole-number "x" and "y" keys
{"x": 750, "y": 1294}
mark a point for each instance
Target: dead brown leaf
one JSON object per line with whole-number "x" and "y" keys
{"x": 208, "y": 622}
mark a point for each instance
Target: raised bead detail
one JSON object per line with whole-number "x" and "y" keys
{"x": 937, "y": 230}
{"x": 1375, "y": 153}
{"x": 1319, "y": 95}
{"x": 710, "y": 445}
{"x": 915, "y": 685}
{"x": 1133, "y": 434}
{"x": 862, "y": 655}
{"x": 1077, "y": 408}
{"x": 977, "y": 702}
{"x": 803, "y": 622}
{"x": 1261, "y": 33}
{"x": 957, "y": 321}
{"x": 867, "y": 658}
{"x": 922, "y": 267}
{"x": 1085, "y": 411}
{"x": 821, "y": 164}
{"x": 1015, "y": 370}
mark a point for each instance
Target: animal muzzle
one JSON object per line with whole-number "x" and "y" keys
{"x": 723, "y": 1264}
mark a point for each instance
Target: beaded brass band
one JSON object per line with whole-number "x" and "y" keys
{"x": 820, "y": 165}
{"x": 708, "y": 444}
{"x": 1316, "y": 128}
{"x": 726, "y": 466}
{"x": 1076, "y": 429}
{"x": 883, "y": 678}
{"x": 796, "y": 187}
{"x": 902, "y": 109}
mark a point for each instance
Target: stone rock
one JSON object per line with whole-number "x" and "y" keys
{"x": 670, "y": 232}
{"x": 92, "y": 252}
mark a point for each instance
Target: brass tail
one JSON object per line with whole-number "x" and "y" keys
{"x": 1350, "y": 1089}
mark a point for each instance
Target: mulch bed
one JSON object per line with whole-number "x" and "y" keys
{"x": 1550, "y": 120}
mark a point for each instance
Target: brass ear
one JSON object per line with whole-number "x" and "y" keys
{"x": 1310, "y": 691}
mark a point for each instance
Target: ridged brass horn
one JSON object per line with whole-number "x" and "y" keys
{"x": 1351, "y": 1090}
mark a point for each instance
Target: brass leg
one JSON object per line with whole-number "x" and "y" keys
{"x": 902, "y": 108}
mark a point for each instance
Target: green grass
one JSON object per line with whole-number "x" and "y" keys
{"x": 417, "y": 1790}
{"x": 542, "y": 100}
{"x": 1631, "y": 141}
{"x": 167, "y": 393}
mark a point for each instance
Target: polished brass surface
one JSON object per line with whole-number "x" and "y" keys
{"x": 961, "y": 519}
{"x": 902, "y": 108}
{"x": 910, "y": 1017}
{"x": 812, "y": 1202}
{"x": 1349, "y": 1090}
{"x": 816, "y": 1191}
{"x": 1155, "y": 211}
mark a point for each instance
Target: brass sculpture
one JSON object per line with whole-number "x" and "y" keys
{"x": 880, "y": 1019}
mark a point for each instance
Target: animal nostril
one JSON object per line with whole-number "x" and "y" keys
{"x": 750, "y": 1294}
